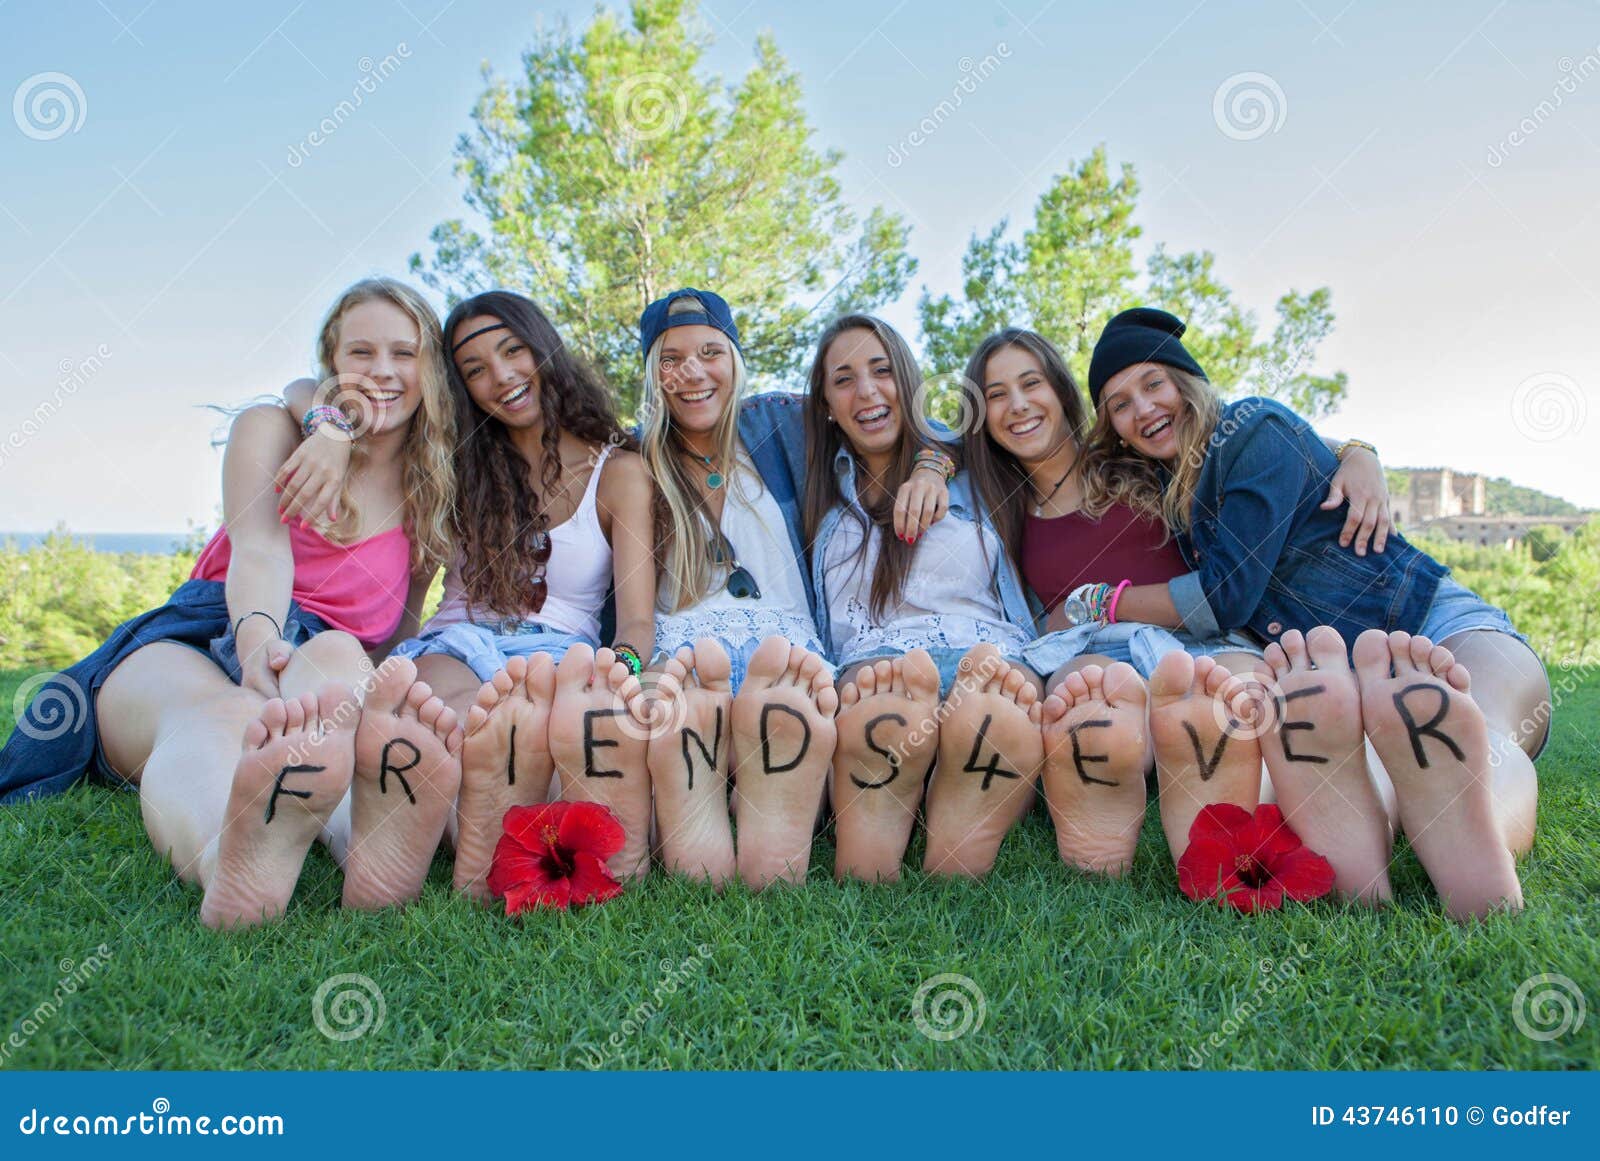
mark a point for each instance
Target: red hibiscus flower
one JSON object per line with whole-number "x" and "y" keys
{"x": 1250, "y": 861}
{"x": 554, "y": 855}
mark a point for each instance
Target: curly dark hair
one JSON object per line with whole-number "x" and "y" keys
{"x": 500, "y": 524}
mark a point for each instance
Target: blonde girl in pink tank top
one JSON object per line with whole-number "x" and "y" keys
{"x": 269, "y": 643}
{"x": 554, "y": 508}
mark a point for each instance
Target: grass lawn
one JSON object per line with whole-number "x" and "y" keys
{"x": 1073, "y": 973}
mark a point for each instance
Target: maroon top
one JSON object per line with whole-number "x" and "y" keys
{"x": 1062, "y": 552}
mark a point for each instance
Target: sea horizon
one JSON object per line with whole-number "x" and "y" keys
{"x": 143, "y": 543}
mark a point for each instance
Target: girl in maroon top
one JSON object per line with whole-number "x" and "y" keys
{"x": 1024, "y": 460}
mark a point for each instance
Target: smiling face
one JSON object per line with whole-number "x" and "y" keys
{"x": 378, "y": 347}
{"x": 694, "y": 366}
{"x": 861, "y": 393}
{"x": 1022, "y": 412}
{"x": 499, "y": 370}
{"x": 1143, "y": 404}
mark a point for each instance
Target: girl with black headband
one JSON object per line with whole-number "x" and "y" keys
{"x": 553, "y": 509}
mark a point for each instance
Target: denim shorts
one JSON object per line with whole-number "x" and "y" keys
{"x": 740, "y": 652}
{"x": 484, "y": 649}
{"x": 1141, "y": 646}
{"x": 1457, "y": 609}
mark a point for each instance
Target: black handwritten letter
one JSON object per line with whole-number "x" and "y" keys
{"x": 1207, "y": 768}
{"x": 767, "y": 766}
{"x": 872, "y": 744}
{"x": 1284, "y": 730}
{"x": 385, "y": 768}
{"x": 592, "y": 743}
{"x": 1429, "y": 727}
{"x": 709, "y": 756}
{"x": 993, "y": 769}
{"x": 278, "y": 787}
{"x": 1079, "y": 757}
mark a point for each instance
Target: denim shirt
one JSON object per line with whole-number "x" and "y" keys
{"x": 1265, "y": 555}
{"x": 963, "y": 503}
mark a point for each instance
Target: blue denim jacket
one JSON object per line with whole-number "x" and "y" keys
{"x": 963, "y": 503}
{"x": 1266, "y": 556}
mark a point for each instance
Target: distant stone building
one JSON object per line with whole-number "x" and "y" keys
{"x": 1442, "y": 502}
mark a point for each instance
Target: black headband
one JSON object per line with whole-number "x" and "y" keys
{"x": 476, "y": 333}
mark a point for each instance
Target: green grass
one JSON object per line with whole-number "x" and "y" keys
{"x": 1074, "y": 973}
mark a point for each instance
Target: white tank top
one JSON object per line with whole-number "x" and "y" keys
{"x": 576, "y": 575}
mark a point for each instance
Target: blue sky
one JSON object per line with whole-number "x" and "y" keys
{"x": 1435, "y": 165}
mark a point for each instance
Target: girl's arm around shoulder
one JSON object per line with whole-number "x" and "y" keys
{"x": 626, "y": 500}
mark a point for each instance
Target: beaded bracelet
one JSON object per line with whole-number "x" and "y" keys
{"x": 629, "y": 656}
{"x": 929, "y": 458}
{"x": 329, "y": 414}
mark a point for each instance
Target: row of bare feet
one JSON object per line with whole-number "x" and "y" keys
{"x": 1309, "y": 720}
{"x": 667, "y": 755}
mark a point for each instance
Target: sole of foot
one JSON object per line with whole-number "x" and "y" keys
{"x": 888, "y": 735}
{"x": 598, "y": 744}
{"x": 1316, "y": 756}
{"x": 505, "y": 762}
{"x": 990, "y": 751}
{"x": 295, "y": 769}
{"x": 1417, "y": 706}
{"x": 1205, "y": 745}
{"x": 783, "y": 745}
{"x": 408, "y": 773}
{"x": 1097, "y": 749}
{"x": 688, "y": 759}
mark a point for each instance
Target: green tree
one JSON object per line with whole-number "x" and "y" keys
{"x": 1074, "y": 267}
{"x": 614, "y": 169}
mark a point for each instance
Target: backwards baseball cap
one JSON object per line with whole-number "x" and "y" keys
{"x": 714, "y": 313}
{"x": 1140, "y": 335}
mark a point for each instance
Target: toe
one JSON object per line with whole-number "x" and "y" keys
{"x": 1440, "y": 660}
{"x": 576, "y": 669}
{"x": 1327, "y": 648}
{"x": 1421, "y": 651}
{"x": 712, "y": 669}
{"x": 921, "y": 676}
{"x": 1373, "y": 659}
{"x": 395, "y": 677}
{"x": 516, "y": 670}
{"x": 275, "y": 716}
{"x": 256, "y": 735}
{"x": 1053, "y": 708}
{"x": 767, "y": 664}
{"x": 1294, "y": 648}
{"x": 294, "y": 716}
{"x": 827, "y": 699}
{"x": 541, "y": 680}
{"x": 1173, "y": 677}
{"x": 849, "y": 694}
{"x": 1277, "y": 660}
{"x": 1123, "y": 685}
{"x": 1400, "y": 651}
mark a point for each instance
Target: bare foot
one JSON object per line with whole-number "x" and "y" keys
{"x": 888, "y": 731}
{"x": 408, "y": 772}
{"x": 783, "y": 743}
{"x": 598, "y": 743}
{"x": 1431, "y": 736}
{"x": 688, "y": 759}
{"x": 1317, "y": 758}
{"x": 990, "y": 750}
{"x": 505, "y": 762}
{"x": 295, "y": 770}
{"x": 1097, "y": 749}
{"x": 1205, "y": 751}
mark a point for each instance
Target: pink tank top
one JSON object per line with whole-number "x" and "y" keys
{"x": 360, "y": 588}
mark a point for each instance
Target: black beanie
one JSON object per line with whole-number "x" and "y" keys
{"x": 1140, "y": 335}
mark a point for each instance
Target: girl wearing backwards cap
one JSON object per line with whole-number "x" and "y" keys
{"x": 1240, "y": 486}
{"x": 552, "y": 507}
{"x": 736, "y": 603}
{"x": 1025, "y": 456}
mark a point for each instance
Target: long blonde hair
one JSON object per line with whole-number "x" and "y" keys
{"x": 683, "y": 551}
{"x": 427, "y": 473}
{"x": 1113, "y": 473}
